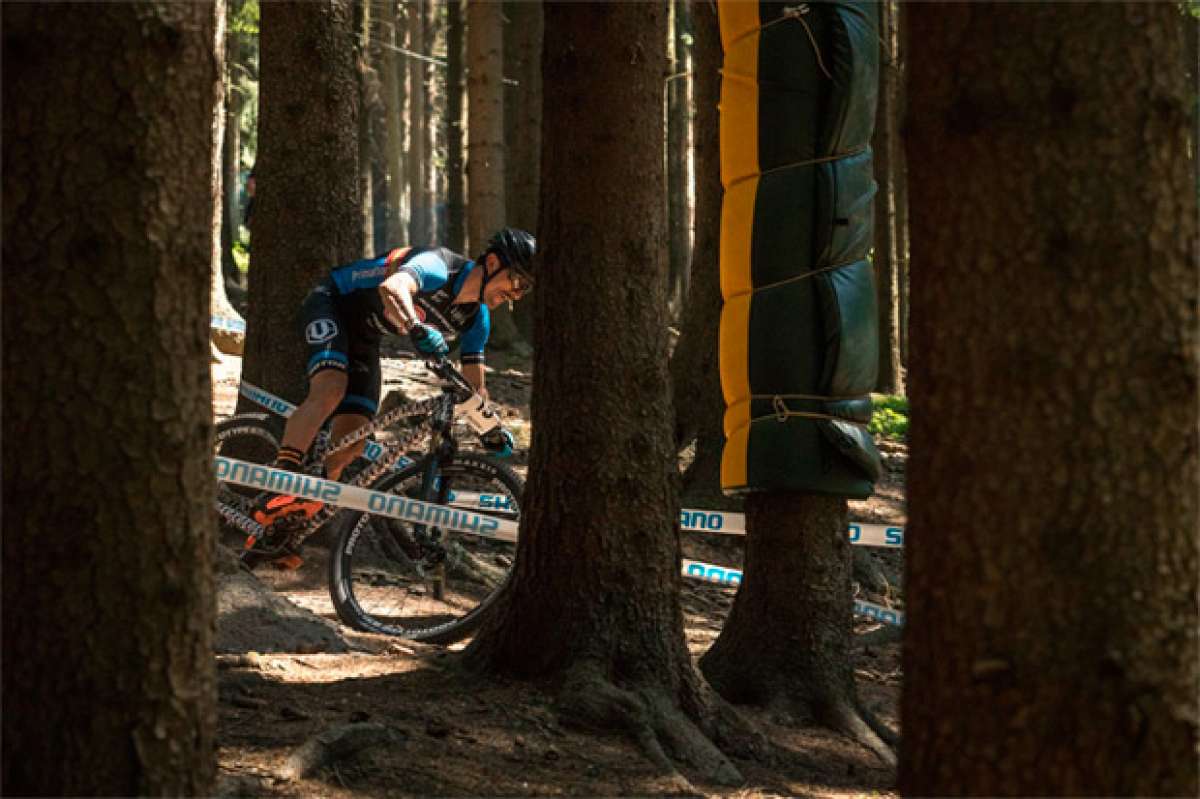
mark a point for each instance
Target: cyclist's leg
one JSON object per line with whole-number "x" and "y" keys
{"x": 328, "y": 340}
{"x": 359, "y": 403}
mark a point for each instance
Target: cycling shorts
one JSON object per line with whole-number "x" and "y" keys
{"x": 337, "y": 341}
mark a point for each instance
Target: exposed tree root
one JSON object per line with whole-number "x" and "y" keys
{"x": 333, "y": 745}
{"x": 651, "y": 716}
{"x": 841, "y": 715}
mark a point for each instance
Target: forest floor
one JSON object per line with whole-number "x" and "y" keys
{"x": 397, "y": 718}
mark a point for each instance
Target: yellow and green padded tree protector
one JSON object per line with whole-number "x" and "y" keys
{"x": 798, "y": 336}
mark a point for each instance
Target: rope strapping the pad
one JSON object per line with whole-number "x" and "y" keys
{"x": 782, "y": 413}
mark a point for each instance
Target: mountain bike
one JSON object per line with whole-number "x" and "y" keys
{"x": 422, "y": 581}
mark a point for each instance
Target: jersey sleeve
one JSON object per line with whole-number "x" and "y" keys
{"x": 474, "y": 339}
{"x": 428, "y": 270}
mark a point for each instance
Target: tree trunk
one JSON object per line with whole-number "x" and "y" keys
{"x": 108, "y": 678}
{"x": 486, "y": 210}
{"x": 900, "y": 172}
{"x": 395, "y": 87}
{"x": 678, "y": 123}
{"x": 793, "y": 654}
{"x": 786, "y": 642}
{"x": 435, "y": 105}
{"x": 886, "y": 256}
{"x": 418, "y": 150}
{"x": 368, "y": 94}
{"x": 695, "y": 380}
{"x": 523, "y": 126}
{"x": 595, "y": 596}
{"x": 231, "y": 158}
{"x": 306, "y": 216}
{"x": 1051, "y": 645}
{"x": 223, "y": 338}
{"x": 456, "y": 234}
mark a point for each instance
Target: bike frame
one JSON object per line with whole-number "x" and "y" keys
{"x": 438, "y": 414}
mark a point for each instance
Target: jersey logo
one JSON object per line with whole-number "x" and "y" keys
{"x": 320, "y": 331}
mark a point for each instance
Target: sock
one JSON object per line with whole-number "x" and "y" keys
{"x": 288, "y": 458}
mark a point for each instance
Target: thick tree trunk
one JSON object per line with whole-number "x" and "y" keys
{"x": 395, "y": 100}
{"x": 886, "y": 259}
{"x": 787, "y": 640}
{"x": 486, "y": 211}
{"x": 595, "y": 597}
{"x": 695, "y": 380}
{"x": 306, "y": 216}
{"x": 794, "y": 654}
{"x": 523, "y": 126}
{"x": 456, "y": 232}
{"x": 108, "y": 676}
{"x": 1051, "y": 645}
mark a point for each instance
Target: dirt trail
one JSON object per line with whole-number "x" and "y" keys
{"x": 310, "y": 708}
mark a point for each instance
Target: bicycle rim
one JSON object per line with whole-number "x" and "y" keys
{"x": 427, "y": 584}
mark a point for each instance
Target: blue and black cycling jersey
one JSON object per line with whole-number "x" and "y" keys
{"x": 343, "y": 319}
{"x": 439, "y": 275}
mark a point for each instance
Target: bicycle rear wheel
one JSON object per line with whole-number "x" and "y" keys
{"x": 252, "y": 437}
{"x": 421, "y": 582}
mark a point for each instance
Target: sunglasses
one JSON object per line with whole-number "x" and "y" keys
{"x": 521, "y": 282}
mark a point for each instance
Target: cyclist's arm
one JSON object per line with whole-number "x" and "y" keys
{"x": 423, "y": 272}
{"x": 397, "y": 293}
{"x": 474, "y": 374}
{"x": 474, "y": 340}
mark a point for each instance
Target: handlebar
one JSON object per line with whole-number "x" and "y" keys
{"x": 453, "y": 380}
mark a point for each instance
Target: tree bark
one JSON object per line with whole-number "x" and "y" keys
{"x": 678, "y": 124}
{"x": 228, "y": 341}
{"x": 395, "y": 87}
{"x": 886, "y": 258}
{"x": 368, "y": 94}
{"x": 231, "y": 159}
{"x": 786, "y": 642}
{"x": 486, "y": 211}
{"x": 523, "y": 126}
{"x": 108, "y": 677}
{"x": 418, "y": 150}
{"x": 306, "y": 216}
{"x": 900, "y": 172}
{"x": 695, "y": 379}
{"x": 456, "y": 234}
{"x": 1051, "y": 644}
{"x": 595, "y": 596}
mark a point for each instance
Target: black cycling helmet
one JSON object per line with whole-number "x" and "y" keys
{"x": 516, "y": 249}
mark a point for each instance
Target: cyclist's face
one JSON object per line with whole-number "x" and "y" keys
{"x": 505, "y": 287}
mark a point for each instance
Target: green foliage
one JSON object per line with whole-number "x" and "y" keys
{"x": 243, "y": 17}
{"x": 889, "y": 418}
{"x": 241, "y": 256}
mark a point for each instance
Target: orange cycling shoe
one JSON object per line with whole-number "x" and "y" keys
{"x": 283, "y": 506}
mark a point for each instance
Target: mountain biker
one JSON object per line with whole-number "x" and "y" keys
{"x": 427, "y": 293}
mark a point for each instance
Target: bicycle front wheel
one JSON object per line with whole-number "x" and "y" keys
{"x": 424, "y": 582}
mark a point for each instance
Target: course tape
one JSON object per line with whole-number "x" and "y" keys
{"x": 699, "y": 521}
{"x": 712, "y": 521}
{"x": 222, "y": 323}
{"x": 730, "y": 577}
{"x": 253, "y": 475}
